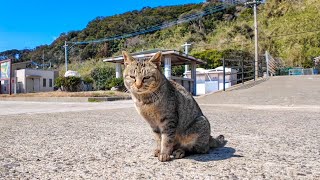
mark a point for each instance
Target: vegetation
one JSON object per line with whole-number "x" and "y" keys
{"x": 288, "y": 29}
{"x": 70, "y": 84}
{"x": 115, "y": 82}
{"x": 102, "y": 77}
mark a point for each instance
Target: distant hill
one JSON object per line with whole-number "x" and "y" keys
{"x": 288, "y": 29}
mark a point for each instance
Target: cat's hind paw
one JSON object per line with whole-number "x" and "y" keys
{"x": 179, "y": 153}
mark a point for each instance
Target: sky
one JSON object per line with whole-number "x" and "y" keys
{"x": 30, "y": 23}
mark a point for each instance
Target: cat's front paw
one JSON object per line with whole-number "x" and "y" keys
{"x": 164, "y": 157}
{"x": 156, "y": 152}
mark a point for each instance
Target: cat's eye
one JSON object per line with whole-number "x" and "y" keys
{"x": 146, "y": 78}
{"x": 132, "y": 77}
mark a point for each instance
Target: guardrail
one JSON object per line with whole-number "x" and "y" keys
{"x": 273, "y": 65}
{"x": 240, "y": 70}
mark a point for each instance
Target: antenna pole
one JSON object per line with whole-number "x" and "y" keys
{"x": 186, "y": 67}
{"x": 66, "y": 54}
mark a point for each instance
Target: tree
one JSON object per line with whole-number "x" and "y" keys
{"x": 212, "y": 57}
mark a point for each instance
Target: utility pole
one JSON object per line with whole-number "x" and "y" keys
{"x": 43, "y": 59}
{"x": 186, "y": 67}
{"x": 66, "y": 54}
{"x": 255, "y": 3}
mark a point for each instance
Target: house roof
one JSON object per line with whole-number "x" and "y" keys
{"x": 24, "y": 62}
{"x": 177, "y": 57}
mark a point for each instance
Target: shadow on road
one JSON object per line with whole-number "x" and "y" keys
{"x": 215, "y": 155}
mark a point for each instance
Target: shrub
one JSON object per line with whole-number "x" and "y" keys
{"x": 177, "y": 71}
{"x": 115, "y": 82}
{"x": 87, "y": 80}
{"x": 71, "y": 83}
{"x": 101, "y": 75}
{"x": 59, "y": 82}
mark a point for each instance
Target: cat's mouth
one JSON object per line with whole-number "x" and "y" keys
{"x": 140, "y": 91}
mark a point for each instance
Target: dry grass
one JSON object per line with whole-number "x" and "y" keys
{"x": 70, "y": 94}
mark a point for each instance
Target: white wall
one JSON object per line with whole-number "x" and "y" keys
{"x": 35, "y": 84}
{"x": 44, "y": 75}
{"x": 21, "y": 79}
{"x": 207, "y": 87}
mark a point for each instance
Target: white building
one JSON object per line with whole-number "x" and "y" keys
{"x": 210, "y": 80}
{"x": 33, "y": 80}
{"x": 26, "y": 80}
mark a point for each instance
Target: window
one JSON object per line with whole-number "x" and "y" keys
{"x": 44, "y": 82}
{"x": 50, "y": 82}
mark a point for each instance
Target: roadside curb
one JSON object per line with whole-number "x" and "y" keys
{"x": 101, "y": 99}
{"x": 64, "y": 99}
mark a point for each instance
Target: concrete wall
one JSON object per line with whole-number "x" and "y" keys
{"x": 185, "y": 82}
{"x": 47, "y": 75}
{"x": 32, "y": 80}
{"x": 21, "y": 80}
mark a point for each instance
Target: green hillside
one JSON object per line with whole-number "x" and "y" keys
{"x": 288, "y": 29}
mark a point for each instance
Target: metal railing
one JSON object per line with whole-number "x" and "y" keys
{"x": 238, "y": 70}
{"x": 273, "y": 65}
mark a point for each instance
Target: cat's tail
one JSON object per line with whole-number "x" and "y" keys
{"x": 217, "y": 142}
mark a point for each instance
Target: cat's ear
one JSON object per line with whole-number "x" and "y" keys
{"x": 127, "y": 58}
{"x": 156, "y": 59}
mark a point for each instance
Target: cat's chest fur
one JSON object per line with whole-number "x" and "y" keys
{"x": 150, "y": 112}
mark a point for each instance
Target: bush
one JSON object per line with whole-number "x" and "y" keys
{"x": 87, "y": 80}
{"x": 101, "y": 75}
{"x": 115, "y": 82}
{"x": 59, "y": 82}
{"x": 71, "y": 84}
{"x": 177, "y": 71}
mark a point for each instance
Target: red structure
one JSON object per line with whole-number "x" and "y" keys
{"x": 6, "y": 73}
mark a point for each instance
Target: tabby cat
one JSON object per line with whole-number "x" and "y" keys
{"x": 176, "y": 119}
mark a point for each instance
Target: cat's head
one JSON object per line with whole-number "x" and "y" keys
{"x": 142, "y": 76}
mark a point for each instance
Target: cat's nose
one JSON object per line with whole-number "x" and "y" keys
{"x": 138, "y": 84}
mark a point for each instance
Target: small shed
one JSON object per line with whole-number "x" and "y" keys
{"x": 210, "y": 80}
{"x": 169, "y": 58}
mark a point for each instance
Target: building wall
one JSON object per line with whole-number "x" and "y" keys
{"x": 21, "y": 80}
{"x": 47, "y": 75}
{"x": 32, "y": 80}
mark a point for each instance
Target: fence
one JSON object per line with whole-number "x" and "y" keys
{"x": 300, "y": 71}
{"x": 273, "y": 65}
{"x": 244, "y": 67}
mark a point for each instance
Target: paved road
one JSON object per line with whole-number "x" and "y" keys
{"x": 280, "y": 91}
{"x": 266, "y": 140}
{"x": 27, "y": 107}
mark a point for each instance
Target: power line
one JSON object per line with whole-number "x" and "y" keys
{"x": 263, "y": 38}
{"x": 185, "y": 19}
{"x": 290, "y": 34}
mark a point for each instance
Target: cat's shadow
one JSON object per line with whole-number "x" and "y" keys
{"x": 215, "y": 155}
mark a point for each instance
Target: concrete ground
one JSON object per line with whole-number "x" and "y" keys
{"x": 273, "y": 136}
